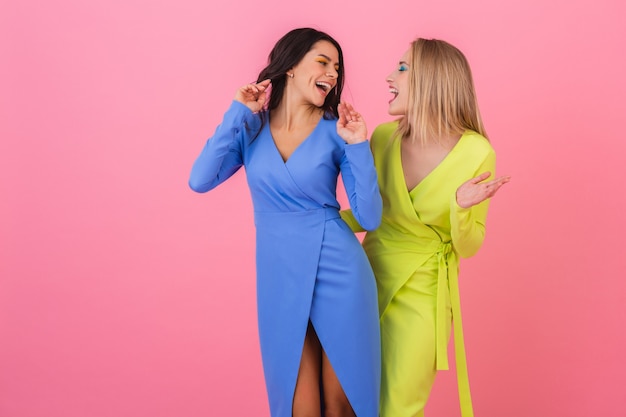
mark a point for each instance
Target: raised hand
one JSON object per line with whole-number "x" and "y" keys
{"x": 253, "y": 95}
{"x": 475, "y": 191}
{"x": 350, "y": 125}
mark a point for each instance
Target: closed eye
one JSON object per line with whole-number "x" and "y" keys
{"x": 325, "y": 62}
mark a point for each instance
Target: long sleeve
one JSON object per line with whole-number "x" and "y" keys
{"x": 222, "y": 155}
{"x": 468, "y": 224}
{"x": 361, "y": 184}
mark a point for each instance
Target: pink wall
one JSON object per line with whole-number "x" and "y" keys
{"x": 123, "y": 293}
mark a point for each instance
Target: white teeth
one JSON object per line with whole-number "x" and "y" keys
{"x": 393, "y": 91}
{"x": 324, "y": 85}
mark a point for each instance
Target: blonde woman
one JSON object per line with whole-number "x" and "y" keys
{"x": 432, "y": 216}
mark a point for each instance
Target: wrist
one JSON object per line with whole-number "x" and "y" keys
{"x": 354, "y": 141}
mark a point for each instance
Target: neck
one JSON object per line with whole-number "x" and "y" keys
{"x": 447, "y": 140}
{"x": 290, "y": 115}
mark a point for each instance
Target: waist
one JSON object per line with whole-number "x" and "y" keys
{"x": 394, "y": 240}
{"x": 319, "y": 214}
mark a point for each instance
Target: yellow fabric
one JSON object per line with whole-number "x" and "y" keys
{"x": 408, "y": 343}
{"x": 422, "y": 235}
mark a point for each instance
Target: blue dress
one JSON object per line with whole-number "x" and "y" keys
{"x": 310, "y": 265}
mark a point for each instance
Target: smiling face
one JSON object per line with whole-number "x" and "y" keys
{"x": 398, "y": 82}
{"x": 315, "y": 76}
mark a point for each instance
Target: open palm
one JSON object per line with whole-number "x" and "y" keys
{"x": 350, "y": 125}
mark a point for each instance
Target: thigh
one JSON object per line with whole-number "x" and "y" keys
{"x": 408, "y": 336}
{"x": 306, "y": 399}
{"x": 335, "y": 400}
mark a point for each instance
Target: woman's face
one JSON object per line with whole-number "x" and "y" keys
{"x": 315, "y": 76}
{"x": 398, "y": 82}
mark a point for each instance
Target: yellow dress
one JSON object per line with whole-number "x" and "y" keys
{"x": 415, "y": 257}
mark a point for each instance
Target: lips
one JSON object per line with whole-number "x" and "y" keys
{"x": 324, "y": 87}
{"x": 395, "y": 93}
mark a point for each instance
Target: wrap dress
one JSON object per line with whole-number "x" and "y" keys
{"x": 310, "y": 265}
{"x": 415, "y": 257}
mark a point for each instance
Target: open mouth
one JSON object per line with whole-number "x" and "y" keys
{"x": 393, "y": 91}
{"x": 324, "y": 87}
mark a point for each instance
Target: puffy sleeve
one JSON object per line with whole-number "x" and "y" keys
{"x": 467, "y": 225}
{"x": 222, "y": 154}
{"x": 361, "y": 183}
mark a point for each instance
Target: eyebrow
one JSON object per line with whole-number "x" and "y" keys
{"x": 337, "y": 66}
{"x": 325, "y": 56}
{"x": 402, "y": 62}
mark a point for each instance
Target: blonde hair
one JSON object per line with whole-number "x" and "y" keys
{"x": 442, "y": 99}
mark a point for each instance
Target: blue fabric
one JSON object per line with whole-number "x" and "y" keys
{"x": 310, "y": 266}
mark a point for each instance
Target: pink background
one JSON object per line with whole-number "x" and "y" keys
{"x": 123, "y": 293}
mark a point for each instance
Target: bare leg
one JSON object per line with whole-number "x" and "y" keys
{"x": 336, "y": 402}
{"x": 306, "y": 399}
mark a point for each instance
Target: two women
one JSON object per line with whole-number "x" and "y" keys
{"x": 318, "y": 316}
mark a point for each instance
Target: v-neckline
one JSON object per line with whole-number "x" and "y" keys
{"x": 269, "y": 129}
{"x": 432, "y": 171}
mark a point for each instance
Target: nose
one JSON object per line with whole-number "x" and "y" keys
{"x": 332, "y": 74}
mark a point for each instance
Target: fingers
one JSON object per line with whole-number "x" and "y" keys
{"x": 255, "y": 88}
{"x": 353, "y": 115}
{"x": 349, "y": 108}
{"x": 481, "y": 177}
{"x": 343, "y": 118}
{"x": 493, "y": 186}
{"x": 264, "y": 83}
{"x": 503, "y": 180}
{"x": 474, "y": 191}
{"x": 347, "y": 114}
{"x": 350, "y": 125}
{"x": 254, "y": 95}
{"x": 490, "y": 187}
{"x": 261, "y": 98}
{"x": 498, "y": 182}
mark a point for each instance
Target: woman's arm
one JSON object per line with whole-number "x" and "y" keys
{"x": 469, "y": 206}
{"x": 221, "y": 156}
{"x": 361, "y": 183}
{"x": 357, "y": 171}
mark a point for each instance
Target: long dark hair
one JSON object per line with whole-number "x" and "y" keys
{"x": 287, "y": 53}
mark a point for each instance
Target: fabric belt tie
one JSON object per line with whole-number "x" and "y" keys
{"x": 448, "y": 280}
